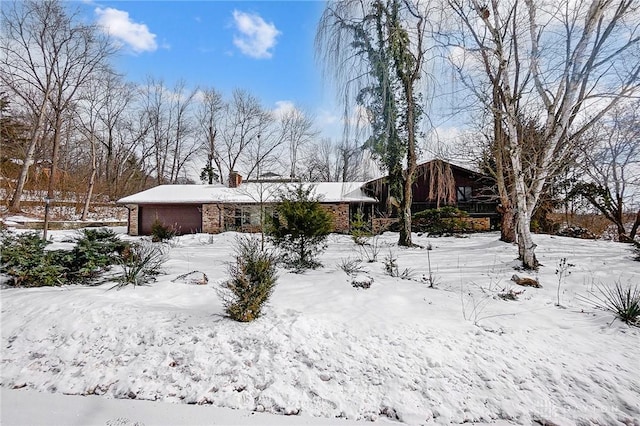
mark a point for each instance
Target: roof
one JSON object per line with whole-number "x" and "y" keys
{"x": 455, "y": 166}
{"x": 328, "y": 192}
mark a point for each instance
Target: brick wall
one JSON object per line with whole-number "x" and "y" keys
{"x": 133, "y": 219}
{"x": 340, "y": 213}
{"x": 211, "y": 219}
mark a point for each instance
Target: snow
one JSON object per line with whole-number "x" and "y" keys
{"x": 398, "y": 350}
{"x": 251, "y": 192}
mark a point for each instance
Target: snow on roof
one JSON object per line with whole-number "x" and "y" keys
{"x": 328, "y": 192}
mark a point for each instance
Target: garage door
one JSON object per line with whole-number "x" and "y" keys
{"x": 186, "y": 219}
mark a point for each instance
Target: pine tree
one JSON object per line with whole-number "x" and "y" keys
{"x": 300, "y": 227}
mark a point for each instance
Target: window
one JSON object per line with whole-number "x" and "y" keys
{"x": 464, "y": 193}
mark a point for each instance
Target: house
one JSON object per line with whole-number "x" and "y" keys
{"x": 439, "y": 183}
{"x": 237, "y": 207}
{"x": 241, "y": 205}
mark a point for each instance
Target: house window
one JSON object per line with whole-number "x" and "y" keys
{"x": 464, "y": 193}
{"x": 247, "y": 215}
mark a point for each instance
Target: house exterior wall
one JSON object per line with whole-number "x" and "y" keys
{"x": 218, "y": 218}
{"x": 133, "y": 220}
{"x": 340, "y": 213}
{"x": 211, "y": 218}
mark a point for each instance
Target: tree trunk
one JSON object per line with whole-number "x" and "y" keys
{"x": 405, "y": 220}
{"x": 526, "y": 246}
{"x": 634, "y": 228}
{"x": 92, "y": 180}
{"x": 22, "y": 179}
{"x": 54, "y": 169}
{"x": 28, "y": 160}
{"x": 507, "y": 222}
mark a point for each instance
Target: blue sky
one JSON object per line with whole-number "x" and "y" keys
{"x": 265, "y": 47}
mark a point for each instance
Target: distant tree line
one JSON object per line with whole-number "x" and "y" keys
{"x": 70, "y": 123}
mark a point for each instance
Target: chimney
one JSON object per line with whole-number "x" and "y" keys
{"x": 235, "y": 180}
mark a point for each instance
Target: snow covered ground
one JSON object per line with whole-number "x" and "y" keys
{"x": 399, "y": 350}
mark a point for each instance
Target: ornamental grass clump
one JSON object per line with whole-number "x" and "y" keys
{"x": 253, "y": 279}
{"x": 623, "y": 301}
{"x": 141, "y": 262}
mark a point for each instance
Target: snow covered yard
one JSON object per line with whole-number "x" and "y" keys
{"x": 400, "y": 350}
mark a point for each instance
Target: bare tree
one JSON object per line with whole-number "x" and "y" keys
{"x": 47, "y": 54}
{"x": 564, "y": 64}
{"x": 209, "y": 117}
{"x": 244, "y": 126}
{"x": 325, "y": 161}
{"x": 611, "y": 166}
{"x": 297, "y": 130}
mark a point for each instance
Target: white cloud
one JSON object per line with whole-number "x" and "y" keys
{"x": 256, "y": 37}
{"x": 120, "y": 26}
{"x": 282, "y": 108}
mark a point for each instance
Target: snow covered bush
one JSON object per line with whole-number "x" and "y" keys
{"x": 95, "y": 251}
{"x": 26, "y": 261}
{"x": 253, "y": 279}
{"x": 141, "y": 262}
{"x": 300, "y": 227}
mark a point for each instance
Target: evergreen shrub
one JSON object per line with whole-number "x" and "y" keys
{"x": 161, "y": 232}
{"x": 443, "y": 221}
{"x": 253, "y": 279}
{"x": 299, "y": 227}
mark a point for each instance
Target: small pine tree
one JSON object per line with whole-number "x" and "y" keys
{"x": 300, "y": 227}
{"x": 360, "y": 229}
{"x": 253, "y": 278}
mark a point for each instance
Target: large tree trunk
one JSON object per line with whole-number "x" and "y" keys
{"x": 507, "y": 222}
{"x": 405, "y": 215}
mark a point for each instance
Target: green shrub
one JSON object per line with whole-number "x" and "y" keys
{"x": 141, "y": 262}
{"x": 299, "y": 227}
{"x": 95, "y": 251}
{"x": 253, "y": 279}
{"x": 161, "y": 232}
{"x": 26, "y": 261}
{"x": 442, "y": 221}
{"x": 360, "y": 229}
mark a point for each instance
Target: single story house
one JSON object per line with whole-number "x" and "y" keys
{"x": 239, "y": 206}
{"x": 218, "y": 208}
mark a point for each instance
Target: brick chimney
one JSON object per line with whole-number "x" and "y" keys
{"x": 235, "y": 179}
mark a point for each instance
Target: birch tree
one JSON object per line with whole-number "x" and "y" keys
{"x": 564, "y": 64}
